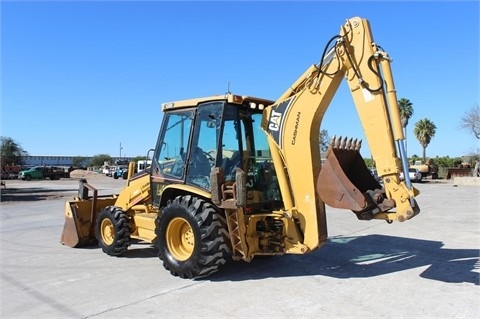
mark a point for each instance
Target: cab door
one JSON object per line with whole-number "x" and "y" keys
{"x": 169, "y": 162}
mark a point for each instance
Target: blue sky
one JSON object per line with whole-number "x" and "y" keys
{"x": 79, "y": 78}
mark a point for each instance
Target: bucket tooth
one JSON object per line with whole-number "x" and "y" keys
{"x": 332, "y": 141}
{"x": 337, "y": 142}
{"x": 349, "y": 144}
{"x": 344, "y": 142}
{"x": 359, "y": 145}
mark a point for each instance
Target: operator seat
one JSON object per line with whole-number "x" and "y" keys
{"x": 230, "y": 165}
{"x": 199, "y": 163}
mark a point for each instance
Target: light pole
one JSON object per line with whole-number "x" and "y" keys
{"x": 121, "y": 148}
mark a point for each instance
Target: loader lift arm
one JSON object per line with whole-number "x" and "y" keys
{"x": 293, "y": 122}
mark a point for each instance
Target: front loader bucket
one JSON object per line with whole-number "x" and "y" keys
{"x": 80, "y": 215}
{"x": 76, "y": 230}
{"x": 70, "y": 236}
{"x": 345, "y": 181}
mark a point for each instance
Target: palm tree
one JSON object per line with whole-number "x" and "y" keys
{"x": 424, "y": 132}
{"x": 406, "y": 111}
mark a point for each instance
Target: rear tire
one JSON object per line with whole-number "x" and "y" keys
{"x": 112, "y": 231}
{"x": 192, "y": 238}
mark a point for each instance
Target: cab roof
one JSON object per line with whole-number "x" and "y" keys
{"x": 255, "y": 102}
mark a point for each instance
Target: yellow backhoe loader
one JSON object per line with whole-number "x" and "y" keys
{"x": 238, "y": 176}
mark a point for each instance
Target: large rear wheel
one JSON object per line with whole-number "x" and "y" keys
{"x": 192, "y": 237}
{"x": 112, "y": 231}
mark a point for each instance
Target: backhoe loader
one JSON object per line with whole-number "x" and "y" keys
{"x": 233, "y": 177}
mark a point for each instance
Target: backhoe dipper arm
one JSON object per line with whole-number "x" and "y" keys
{"x": 293, "y": 123}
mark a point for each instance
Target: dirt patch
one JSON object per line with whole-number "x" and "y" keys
{"x": 81, "y": 173}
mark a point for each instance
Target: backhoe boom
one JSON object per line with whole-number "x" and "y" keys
{"x": 293, "y": 125}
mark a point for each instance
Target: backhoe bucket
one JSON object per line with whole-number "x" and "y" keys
{"x": 80, "y": 215}
{"x": 345, "y": 181}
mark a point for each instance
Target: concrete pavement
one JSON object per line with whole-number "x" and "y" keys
{"x": 427, "y": 267}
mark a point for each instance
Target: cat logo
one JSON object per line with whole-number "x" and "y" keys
{"x": 275, "y": 119}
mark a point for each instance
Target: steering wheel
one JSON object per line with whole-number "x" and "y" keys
{"x": 210, "y": 157}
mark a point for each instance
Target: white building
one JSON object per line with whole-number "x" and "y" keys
{"x": 61, "y": 160}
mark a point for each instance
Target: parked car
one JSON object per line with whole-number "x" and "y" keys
{"x": 414, "y": 174}
{"x": 106, "y": 170}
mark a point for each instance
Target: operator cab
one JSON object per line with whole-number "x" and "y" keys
{"x": 222, "y": 133}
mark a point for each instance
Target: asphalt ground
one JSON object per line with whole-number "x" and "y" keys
{"x": 427, "y": 267}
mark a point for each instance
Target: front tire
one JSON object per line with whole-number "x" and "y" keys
{"x": 192, "y": 237}
{"x": 112, "y": 231}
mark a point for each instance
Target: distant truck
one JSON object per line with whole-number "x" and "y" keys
{"x": 427, "y": 168}
{"x": 143, "y": 165}
{"x": 10, "y": 171}
{"x": 43, "y": 172}
{"x": 466, "y": 162}
{"x": 108, "y": 170}
{"x": 121, "y": 171}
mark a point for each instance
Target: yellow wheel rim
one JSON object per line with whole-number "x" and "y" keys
{"x": 107, "y": 231}
{"x": 180, "y": 239}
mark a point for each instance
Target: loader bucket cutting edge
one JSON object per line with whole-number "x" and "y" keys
{"x": 344, "y": 177}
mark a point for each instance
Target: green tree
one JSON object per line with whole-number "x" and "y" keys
{"x": 11, "y": 151}
{"x": 406, "y": 112}
{"x": 369, "y": 162}
{"x": 78, "y": 161}
{"x": 446, "y": 161}
{"x": 414, "y": 158}
{"x": 424, "y": 132}
{"x": 98, "y": 160}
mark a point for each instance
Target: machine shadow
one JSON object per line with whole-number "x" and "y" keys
{"x": 33, "y": 194}
{"x": 140, "y": 249}
{"x": 363, "y": 257}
